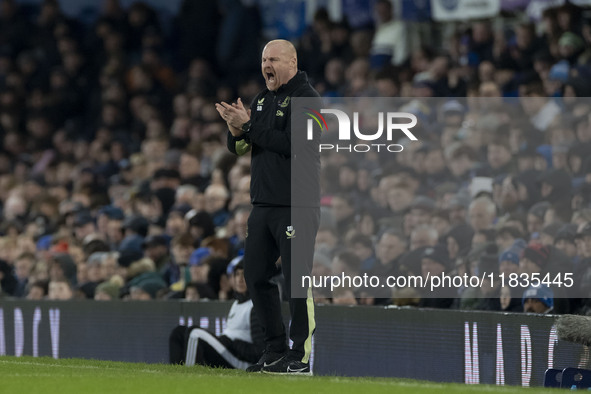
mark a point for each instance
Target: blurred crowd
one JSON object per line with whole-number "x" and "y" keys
{"x": 115, "y": 181}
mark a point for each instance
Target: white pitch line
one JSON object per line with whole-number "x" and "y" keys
{"x": 70, "y": 366}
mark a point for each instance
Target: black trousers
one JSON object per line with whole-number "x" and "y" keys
{"x": 289, "y": 233}
{"x": 194, "y": 345}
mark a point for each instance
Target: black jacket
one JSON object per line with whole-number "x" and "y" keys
{"x": 278, "y": 151}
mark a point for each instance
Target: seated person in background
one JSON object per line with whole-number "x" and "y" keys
{"x": 107, "y": 291}
{"x": 509, "y": 303}
{"x": 538, "y": 299}
{"x": 434, "y": 262}
{"x": 240, "y": 345}
{"x": 38, "y": 290}
{"x": 198, "y": 291}
{"x": 61, "y": 290}
{"x": 343, "y": 296}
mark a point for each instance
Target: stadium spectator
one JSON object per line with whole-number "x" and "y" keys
{"x": 434, "y": 262}
{"x": 458, "y": 240}
{"x": 482, "y": 213}
{"x": 37, "y": 291}
{"x": 399, "y": 198}
{"x": 241, "y": 193}
{"x": 343, "y": 296}
{"x": 216, "y": 200}
{"x": 422, "y": 236}
{"x": 109, "y": 265}
{"x": 199, "y": 265}
{"x": 534, "y": 259}
{"x": 509, "y": 261}
{"x": 63, "y": 268}
{"x": 198, "y": 291}
{"x": 362, "y": 246}
{"x": 441, "y": 223}
{"x": 565, "y": 240}
{"x": 238, "y": 229}
{"x": 419, "y": 213}
{"x": 535, "y": 218}
{"x": 174, "y": 271}
{"x": 93, "y": 274}
{"x": 144, "y": 282}
{"x": 506, "y": 237}
{"x": 390, "y": 42}
{"x": 8, "y": 282}
{"x": 538, "y": 300}
{"x": 108, "y": 223}
{"x": 156, "y": 249}
{"x": 175, "y": 221}
{"x": 107, "y": 291}
{"x": 135, "y": 230}
{"x": 190, "y": 171}
{"x": 23, "y": 267}
{"x": 347, "y": 263}
{"x": 343, "y": 211}
{"x": 326, "y": 241}
{"x": 146, "y": 290}
{"x": 60, "y": 290}
{"x": 390, "y": 247}
{"x": 200, "y": 225}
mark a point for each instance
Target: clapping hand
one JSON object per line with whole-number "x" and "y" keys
{"x": 234, "y": 114}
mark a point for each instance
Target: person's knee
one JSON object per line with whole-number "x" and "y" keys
{"x": 177, "y": 333}
{"x": 196, "y": 333}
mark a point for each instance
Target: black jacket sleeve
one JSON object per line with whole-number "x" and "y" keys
{"x": 238, "y": 145}
{"x": 278, "y": 141}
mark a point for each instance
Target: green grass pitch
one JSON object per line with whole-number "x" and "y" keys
{"x": 46, "y": 375}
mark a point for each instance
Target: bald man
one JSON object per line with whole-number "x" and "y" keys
{"x": 265, "y": 129}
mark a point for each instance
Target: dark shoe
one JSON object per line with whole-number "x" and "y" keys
{"x": 289, "y": 365}
{"x": 267, "y": 359}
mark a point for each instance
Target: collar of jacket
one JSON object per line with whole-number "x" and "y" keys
{"x": 298, "y": 79}
{"x": 242, "y": 297}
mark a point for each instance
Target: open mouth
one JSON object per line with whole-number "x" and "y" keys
{"x": 270, "y": 77}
